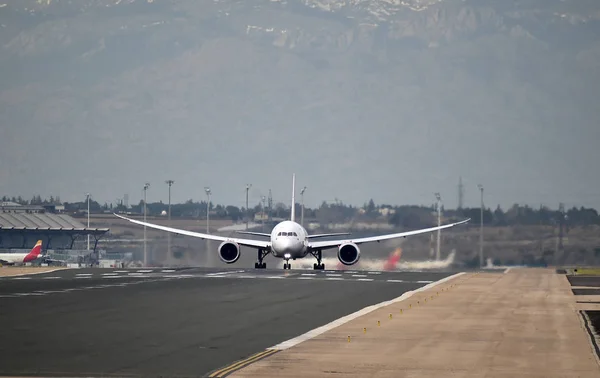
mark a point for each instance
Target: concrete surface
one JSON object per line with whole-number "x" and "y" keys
{"x": 520, "y": 324}
{"x": 8, "y": 271}
{"x": 172, "y": 322}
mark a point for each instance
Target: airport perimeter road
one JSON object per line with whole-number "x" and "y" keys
{"x": 519, "y": 324}
{"x": 152, "y": 322}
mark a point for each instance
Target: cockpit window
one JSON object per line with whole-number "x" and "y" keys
{"x": 293, "y": 233}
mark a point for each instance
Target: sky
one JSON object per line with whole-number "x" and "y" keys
{"x": 103, "y": 102}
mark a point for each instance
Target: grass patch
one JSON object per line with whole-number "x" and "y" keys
{"x": 587, "y": 271}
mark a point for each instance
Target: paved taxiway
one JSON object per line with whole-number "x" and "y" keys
{"x": 174, "y": 322}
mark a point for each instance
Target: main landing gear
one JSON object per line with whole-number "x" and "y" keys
{"x": 261, "y": 255}
{"x": 319, "y": 256}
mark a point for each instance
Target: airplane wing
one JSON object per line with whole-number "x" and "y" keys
{"x": 336, "y": 243}
{"x": 326, "y": 235}
{"x": 309, "y": 236}
{"x": 254, "y": 233}
{"x": 244, "y": 242}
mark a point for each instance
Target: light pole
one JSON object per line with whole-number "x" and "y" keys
{"x": 439, "y": 220}
{"x": 481, "y": 229}
{"x": 207, "y": 190}
{"x": 248, "y": 186}
{"x": 146, "y": 186}
{"x": 88, "y": 219}
{"x": 264, "y": 199}
{"x": 169, "y": 182}
{"x": 302, "y": 208}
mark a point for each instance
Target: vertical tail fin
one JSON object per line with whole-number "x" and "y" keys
{"x": 293, "y": 218}
{"x": 34, "y": 253}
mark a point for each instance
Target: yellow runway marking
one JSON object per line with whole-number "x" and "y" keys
{"x": 242, "y": 363}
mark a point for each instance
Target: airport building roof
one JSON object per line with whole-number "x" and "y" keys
{"x": 40, "y": 221}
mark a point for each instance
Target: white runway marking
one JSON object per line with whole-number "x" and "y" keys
{"x": 22, "y": 278}
{"x": 145, "y": 271}
{"x": 336, "y": 323}
{"x": 83, "y": 274}
{"x": 333, "y": 275}
{"x": 423, "y": 281}
{"x": 167, "y": 271}
{"x": 365, "y": 279}
{"x": 306, "y": 278}
{"x": 374, "y": 272}
{"x": 120, "y": 271}
{"x": 109, "y": 274}
{"x": 51, "y": 278}
{"x": 350, "y": 272}
{"x": 135, "y": 274}
{"x": 334, "y": 278}
{"x": 359, "y": 275}
{"x": 394, "y": 281}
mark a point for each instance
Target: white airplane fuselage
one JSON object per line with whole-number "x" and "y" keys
{"x": 289, "y": 240}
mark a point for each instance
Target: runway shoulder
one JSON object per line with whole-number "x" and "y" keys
{"x": 521, "y": 323}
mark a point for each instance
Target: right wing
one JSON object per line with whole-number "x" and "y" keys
{"x": 255, "y": 233}
{"x": 244, "y": 242}
{"x": 326, "y": 235}
{"x": 322, "y": 245}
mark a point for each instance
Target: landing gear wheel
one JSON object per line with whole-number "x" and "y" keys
{"x": 287, "y": 266}
{"x": 319, "y": 256}
{"x": 261, "y": 255}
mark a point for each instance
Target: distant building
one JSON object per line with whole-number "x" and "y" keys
{"x": 21, "y": 226}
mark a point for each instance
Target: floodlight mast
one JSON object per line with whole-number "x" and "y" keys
{"x": 208, "y": 193}
{"x": 439, "y": 221}
{"x": 302, "y": 209}
{"x": 481, "y": 228}
{"x": 146, "y": 186}
{"x": 169, "y": 182}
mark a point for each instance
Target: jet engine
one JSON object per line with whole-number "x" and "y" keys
{"x": 349, "y": 253}
{"x": 229, "y": 252}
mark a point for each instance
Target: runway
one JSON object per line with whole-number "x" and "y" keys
{"x": 173, "y": 322}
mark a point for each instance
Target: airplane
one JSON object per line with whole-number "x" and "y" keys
{"x": 290, "y": 240}
{"x": 22, "y": 258}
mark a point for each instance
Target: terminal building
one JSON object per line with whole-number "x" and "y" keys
{"x": 21, "y": 226}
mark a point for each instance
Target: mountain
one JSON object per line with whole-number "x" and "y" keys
{"x": 355, "y": 96}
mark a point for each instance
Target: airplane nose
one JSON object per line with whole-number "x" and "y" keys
{"x": 284, "y": 246}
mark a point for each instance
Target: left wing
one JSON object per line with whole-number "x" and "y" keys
{"x": 244, "y": 242}
{"x": 336, "y": 243}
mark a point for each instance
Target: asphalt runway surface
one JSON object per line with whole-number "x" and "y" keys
{"x": 173, "y": 322}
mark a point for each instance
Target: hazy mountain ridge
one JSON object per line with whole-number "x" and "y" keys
{"x": 203, "y": 78}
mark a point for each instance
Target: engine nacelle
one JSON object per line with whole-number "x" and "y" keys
{"x": 229, "y": 252}
{"x": 348, "y": 253}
